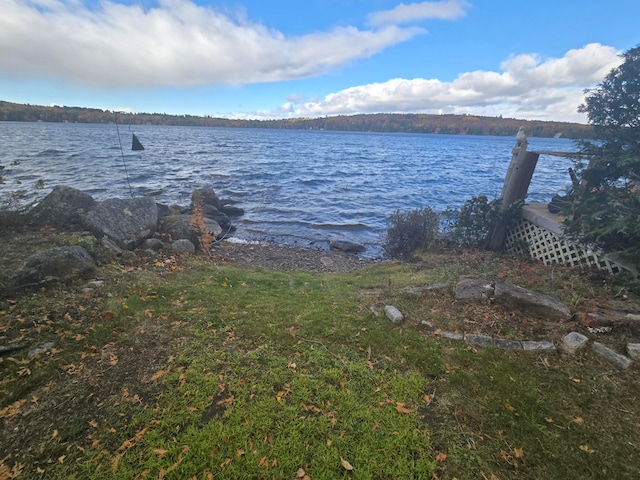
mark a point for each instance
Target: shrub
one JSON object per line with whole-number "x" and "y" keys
{"x": 410, "y": 231}
{"x": 471, "y": 225}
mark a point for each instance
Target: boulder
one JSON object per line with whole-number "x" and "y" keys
{"x": 216, "y": 215}
{"x": 573, "y": 341}
{"x": 58, "y": 265}
{"x": 472, "y": 289}
{"x": 183, "y": 246}
{"x": 166, "y": 210}
{"x": 232, "y": 211}
{"x": 393, "y": 314}
{"x": 530, "y": 302}
{"x": 125, "y": 221}
{"x": 62, "y": 207}
{"x": 179, "y": 227}
{"x": 206, "y": 196}
{"x": 611, "y": 355}
{"x": 345, "y": 246}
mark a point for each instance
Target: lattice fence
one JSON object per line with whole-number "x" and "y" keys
{"x": 552, "y": 249}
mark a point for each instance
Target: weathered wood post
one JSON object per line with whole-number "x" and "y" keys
{"x": 516, "y": 185}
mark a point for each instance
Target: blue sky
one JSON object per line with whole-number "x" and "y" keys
{"x": 308, "y": 58}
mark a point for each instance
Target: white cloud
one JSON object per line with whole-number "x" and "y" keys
{"x": 176, "y": 43}
{"x": 444, "y": 10}
{"x": 526, "y": 87}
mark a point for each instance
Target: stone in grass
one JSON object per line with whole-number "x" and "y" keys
{"x": 471, "y": 289}
{"x": 633, "y": 349}
{"x": 530, "y": 302}
{"x": 507, "y": 344}
{"x": 183, "y": 246}
{"x": 612, "y": 356}
{"x": 572, "y": 342}
{"x": 393, "y": 314}
{"x": 451, "y": 335}
{"x": 479, "y": 340}
{"x": 538, "y": 346}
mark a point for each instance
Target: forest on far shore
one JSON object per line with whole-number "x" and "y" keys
{"x": 375, "y": 122}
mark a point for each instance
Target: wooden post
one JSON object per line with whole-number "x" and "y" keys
{"x": 516, "y": 185}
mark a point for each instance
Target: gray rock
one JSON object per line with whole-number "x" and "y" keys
{"x": 153, "y": 244}
{"x": 612, "y": 356}
{"x": 531, "y": 302}
{"x": 179, "y": 226}
{"x": 62, "y": 207}
{"x": 573, "y": 341}
{"x": 451, "y": 335}
{"x": 211, "y": 212}
{"x": 393, "y": 314}
{"x": 426, "y": 288}
{"x": 232, "y": 211}
{"x": 507, "y": 344}
{"x": 41, "y": 349}
{"x": 471, "y": 289}
{"x": 545, "y": 346}
{"x": 125, "y": 221}
{"x": 479, "y": 340}
{"x": 206, "y": 196}
{"x": 183, "y": 246}
{"x": 111, "y": 246}
{"x": 166, "y": 210}
{"x": 58, "y": 265}
{"x": 633, "y": 350}
{"x": 345, "y": 246}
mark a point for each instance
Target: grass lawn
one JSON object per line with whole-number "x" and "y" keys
{"x": 187, "y": 368}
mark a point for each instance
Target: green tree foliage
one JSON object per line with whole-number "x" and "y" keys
{"x": 378, "y": 122}
{"x": 606, "y": 193}
{"x": 471, "y": 225}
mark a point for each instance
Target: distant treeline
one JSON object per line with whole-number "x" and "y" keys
{"x": 377, "y": 122}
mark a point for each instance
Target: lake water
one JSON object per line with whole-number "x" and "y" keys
{"x": 296, "y": 187}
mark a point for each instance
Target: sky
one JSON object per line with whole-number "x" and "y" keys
{"x": 264, "y": 59}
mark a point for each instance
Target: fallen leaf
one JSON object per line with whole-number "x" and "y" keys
{"x": 578, "y": 420}
{"x": 402, "y": 409}
{"x": 441, "y": 457}
{"x": 160, "y": 452}
{"x": 508, "y": 406}
{"x": 548, "y": 419}
{"x": 240, "y": 452}
{"x": 519, "y": 452}
{"x": 346, "y": 465}
{"x": 586, "y": 448}
{"x": 509, "y": 458}
{"x": 158, "y": 374}
{"x": 300, "y": 473}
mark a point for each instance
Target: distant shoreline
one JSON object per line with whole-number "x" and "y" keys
{"x": 375, "y": 122}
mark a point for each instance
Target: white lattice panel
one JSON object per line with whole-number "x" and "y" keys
{"x": 552, "y": 249}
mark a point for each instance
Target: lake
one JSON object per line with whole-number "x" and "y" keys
{"x": 296, "y": 187}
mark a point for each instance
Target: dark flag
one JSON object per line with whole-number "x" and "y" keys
{"x": 135, "y": 143}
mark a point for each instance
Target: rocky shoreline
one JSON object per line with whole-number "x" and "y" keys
{"x": 136, "y": 229}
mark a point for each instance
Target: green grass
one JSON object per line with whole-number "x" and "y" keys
{"x": 220, "y": 371}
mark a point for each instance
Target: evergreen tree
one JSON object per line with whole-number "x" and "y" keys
{"x": 606, "y": 193}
